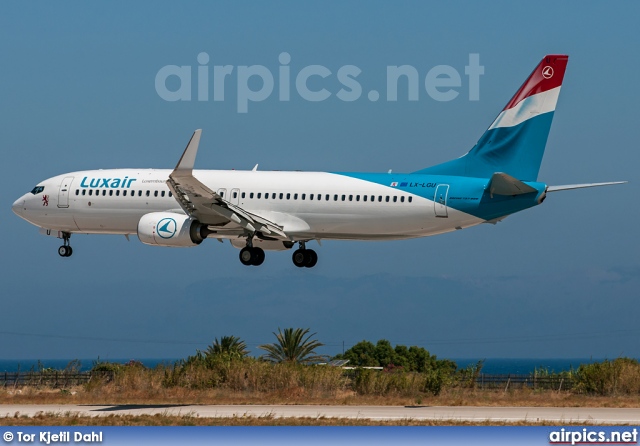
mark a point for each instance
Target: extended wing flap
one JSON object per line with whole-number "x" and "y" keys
{"x": 199, "y": 201}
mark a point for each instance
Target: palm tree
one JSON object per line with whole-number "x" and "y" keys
{"x": 232, "y": 346}
{"x": 292, "y": 346}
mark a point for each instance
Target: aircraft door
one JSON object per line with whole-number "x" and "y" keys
{"x": 234, "y": 197}
{"x": 63, "y": 194}
{"x": 440, "y": 200}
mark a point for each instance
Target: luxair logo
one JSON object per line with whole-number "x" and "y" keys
{"x": 110, "y": 183}
{"x": 167, "y": 227}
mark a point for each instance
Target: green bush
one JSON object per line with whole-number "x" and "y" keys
{"x": 620, "y": 376}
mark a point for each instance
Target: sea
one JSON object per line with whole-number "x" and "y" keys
{"x": 492, "y": 366}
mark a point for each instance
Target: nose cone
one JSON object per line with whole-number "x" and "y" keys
{"x": 18, "y": 207}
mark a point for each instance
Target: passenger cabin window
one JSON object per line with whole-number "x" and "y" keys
{"x": 36, "y": 190}
{"x": 170, "y": 194}
{"x": 117, "y": 193}
{"x": 387, "y": 199}
{"x": 162, "y": 194}
{"x": 259, "y": 194}
{"x": 304, "y": 195}
{"x": 402, "y": 199}
{"x": 148, "y": 193}
{"x": 235, "y": 195}
{"x": 310, "y": 196}
{"x": 410, "y": 199}
{"x": 124, "y": 193}
{"x": 77, "y": 191}
{"x": 104, "y": 192}
{"x": 155, "y": 193}
{"x": 90, "y": 192}
{"x": 326, "y": 197}
{"x": 250, "y": 195}
{"x": 139, "y": 193}
{"x": 84, "y": 191}
{"x": 295, "y": 196}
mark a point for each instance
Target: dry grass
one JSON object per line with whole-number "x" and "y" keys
{"x": 112, "y": 394}
{"x": 249, "y": 381}
{"x": 62, "y": 419}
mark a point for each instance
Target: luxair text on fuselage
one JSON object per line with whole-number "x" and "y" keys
{"x": 108, "y": 183}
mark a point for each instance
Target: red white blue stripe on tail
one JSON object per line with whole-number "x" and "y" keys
{"x": 515, "y": 141}
{"x": 538, "y": 95}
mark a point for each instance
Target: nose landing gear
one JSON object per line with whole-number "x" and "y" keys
{"x": 65, "y": 250}
{"x": 304, "y": 257}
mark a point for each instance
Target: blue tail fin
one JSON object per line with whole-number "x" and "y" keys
{"x": 515, "y": 142}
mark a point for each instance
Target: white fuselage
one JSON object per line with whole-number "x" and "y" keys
{"x": 308, "y": 205}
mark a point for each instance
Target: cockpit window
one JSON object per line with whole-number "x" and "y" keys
{"x": 36, "y": 190}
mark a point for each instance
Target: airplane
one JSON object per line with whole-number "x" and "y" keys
{"x": 260, "y": 211}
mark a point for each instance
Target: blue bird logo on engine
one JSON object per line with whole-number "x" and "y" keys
{"x": 167, "y": 227}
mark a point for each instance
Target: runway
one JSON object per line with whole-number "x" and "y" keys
{"x": 561, "y": 415}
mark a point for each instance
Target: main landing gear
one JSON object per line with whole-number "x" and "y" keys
{"x": 65, "y": 250}
{"x": 304, "y": 257}
{"x": 250, "y": 255}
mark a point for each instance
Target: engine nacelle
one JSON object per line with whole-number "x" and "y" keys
{"x": 170, "y": 229}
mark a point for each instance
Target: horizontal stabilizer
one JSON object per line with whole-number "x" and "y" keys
{"x": 581, "y": 186}
{"x": 503, "y": 184}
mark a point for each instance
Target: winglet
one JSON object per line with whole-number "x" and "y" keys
{"x": 188, "y": 158}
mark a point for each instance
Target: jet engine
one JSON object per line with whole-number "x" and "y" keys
{"x": 171, "y": 229}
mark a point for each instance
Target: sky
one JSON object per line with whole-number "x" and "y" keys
{"x": 78, "y": 91}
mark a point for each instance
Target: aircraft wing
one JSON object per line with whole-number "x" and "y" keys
{"x": 581, "y": 186}
{"x": 208, "y": 207}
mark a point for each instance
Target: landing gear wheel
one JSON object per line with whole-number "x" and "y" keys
{"x": 246, "y": 256}
{"x": 257, "y": 257}
{"x": 299, "y": 257}
{"x": 65, "y": 251}
{"x": 312, "y": 258}
{"x": 252, "y": 256}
